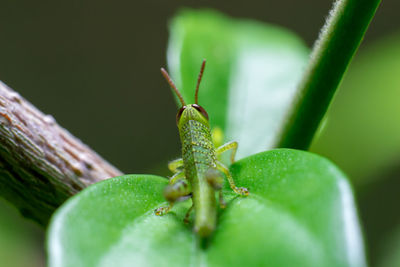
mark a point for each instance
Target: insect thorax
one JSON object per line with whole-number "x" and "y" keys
{"x": 197, "y": 148}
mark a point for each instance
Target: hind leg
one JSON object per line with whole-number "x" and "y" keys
{"x": 239, "y": 190}
{"x": 233, "y": 145}
{"x": 172, "y": 193}
{"x": 186, "y": 219}
{"x": 215, "y": 179}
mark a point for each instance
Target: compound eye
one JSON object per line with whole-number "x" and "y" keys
{"x": 179, "y": 114}
{"x": 201, "y": 110}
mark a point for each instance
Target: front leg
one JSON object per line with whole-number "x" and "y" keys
{"x": 175, "y": 165}
{"x": 178, "y": 175}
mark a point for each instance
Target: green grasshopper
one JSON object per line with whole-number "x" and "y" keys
{"x": 198, "y": 172}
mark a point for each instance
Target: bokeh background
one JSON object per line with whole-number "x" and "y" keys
{"x": 94, "y": 65}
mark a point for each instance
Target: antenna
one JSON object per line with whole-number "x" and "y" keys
{"x": 196, "y": 95}
{"x": 171, "y": 83}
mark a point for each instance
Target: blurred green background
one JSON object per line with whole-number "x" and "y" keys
{"x": 94, "y": 65}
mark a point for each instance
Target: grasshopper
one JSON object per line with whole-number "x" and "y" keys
{"x": 198, "y": 174}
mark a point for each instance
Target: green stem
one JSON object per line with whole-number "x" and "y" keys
{"x": 332, "y": 53}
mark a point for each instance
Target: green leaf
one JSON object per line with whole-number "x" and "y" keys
{"x": 250, "y": 77}
{"x": 300, "y": 213}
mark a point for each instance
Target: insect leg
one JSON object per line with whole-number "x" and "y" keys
{"x": 230, "y": 145}
{"x": 215, "y": 179}
{"x": 177, "y": 190}
{"x": 222, "y": 202}
{"x": 175, "y": 165}
{"x": 163, "y": 210}
{"x": 186, "y": 219}
{"x": 239, "y": 190}
{"x": 172, "y": 193}
{"x": 176, "y": 177}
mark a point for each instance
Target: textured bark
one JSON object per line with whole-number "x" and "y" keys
{"x": 42, "y": 164}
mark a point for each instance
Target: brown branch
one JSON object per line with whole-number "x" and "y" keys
{"x": 42, "y": 164}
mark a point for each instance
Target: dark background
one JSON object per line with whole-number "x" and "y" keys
{"x": 94, "y": 65}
